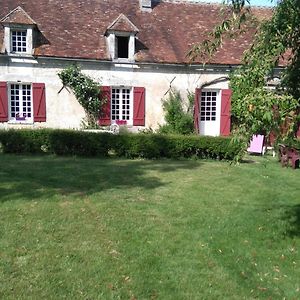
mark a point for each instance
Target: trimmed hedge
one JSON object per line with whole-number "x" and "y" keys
{"x": 67, "y": 142}
{"x": 24, "y": 141}
{"x": 150, "y": 146}
{"x": 174, "y": 146}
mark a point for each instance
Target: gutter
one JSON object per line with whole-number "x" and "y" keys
{"x": 142, "y": 65}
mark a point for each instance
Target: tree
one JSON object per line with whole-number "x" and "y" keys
{"x": 256, "y": 109}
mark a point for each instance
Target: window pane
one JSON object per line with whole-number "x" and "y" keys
{"x": 18, "y": 40}
{"x": 208, "y": 106}
{"x": 120, "y": 104}
{"x": 20, "y": 101}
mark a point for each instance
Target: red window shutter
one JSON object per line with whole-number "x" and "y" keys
{"x": 139, "y": 106}
{"x": 197, "y": 110}
{"x": 104, "y": 119}
{"x": 39, "y": 102}
{"x": 3, "y": 102}
{"x": 225, "y": 112}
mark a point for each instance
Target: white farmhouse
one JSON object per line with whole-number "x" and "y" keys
{"x": 136, "y": 49}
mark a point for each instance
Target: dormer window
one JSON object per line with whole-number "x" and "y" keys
{"x": 121, "y": 39}
{"x": 122, "y": 45}
{"x": 18, "y": 32}
{"x": 19, "y": 41}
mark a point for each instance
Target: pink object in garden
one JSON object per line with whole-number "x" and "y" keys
{"x": 121, "y": 122}
{"x": 257, "y": 144}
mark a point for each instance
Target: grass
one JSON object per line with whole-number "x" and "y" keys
{"x": 134, "y": 229}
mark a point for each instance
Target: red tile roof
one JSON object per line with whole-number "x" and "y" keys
{"x": 76, "y": 28}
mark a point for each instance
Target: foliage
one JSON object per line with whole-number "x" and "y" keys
{"x": 295, "y": 143}
{"x": 263, "y": 112}
{"x": 191, "y": 102}
{"x": 25, "y": 140}
{"x": 256, "y": 109}
{"x": 80, "y": 143}
{"x": 154, "y": 146}
{"x": 149, "y": 130}
{"x": 86, "y": 90}
{"x": 60, "y": 142}
{"x": 149, "y": 146}
{"x": 235, "y": 14}
{"x": 178, "y": 119}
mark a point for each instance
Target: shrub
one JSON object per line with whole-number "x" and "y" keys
{"x": 60, "y": 142}
{"x": 142, "y": 146}
{"x": 178, "y": 120}
{"x": 202, "y": 147}
{"x": 149, "y": 146}
{"x": 24, "y": 141}
{"x": 291, "y": 142}
{"x": 173, "y": 146}
{"x": 71, "y": 142}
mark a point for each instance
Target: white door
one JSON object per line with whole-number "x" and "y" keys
{"x": 210, "y": 106}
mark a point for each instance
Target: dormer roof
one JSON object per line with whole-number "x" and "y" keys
{"x": 122, "y": 24}
{"x": 18, "y": 16}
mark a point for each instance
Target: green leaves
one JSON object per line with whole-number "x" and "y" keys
{"x": 271, "y": 110}
{"x": 267, "y": 116}
{"x": 255, "y": 107}
{"x": 236, "y": 14}
{"x": 178, "y": 120}
{"x": 86, "y": 91}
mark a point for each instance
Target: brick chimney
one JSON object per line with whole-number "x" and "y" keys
{"x": 146, "y": 5}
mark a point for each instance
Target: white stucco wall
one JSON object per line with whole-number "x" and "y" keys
{"x": 63, "y": 110}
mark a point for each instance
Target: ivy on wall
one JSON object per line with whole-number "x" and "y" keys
{"x": 87, "y": 92}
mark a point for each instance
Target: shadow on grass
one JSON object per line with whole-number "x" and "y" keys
{"x": 248, "y": 161}
{"x": 40, "y": 177}
{"x": 292, "y": 216}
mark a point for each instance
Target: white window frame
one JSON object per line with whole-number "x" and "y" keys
{"x": 122, "y": 88}
{"x": 217, "y": 122}
{"x": 113, "y": 46}
{"x": 8, "y": 29}
{"x": 216, "y": 106}
{"x": 26, "y": 120}
{"x": 18, "y": 41}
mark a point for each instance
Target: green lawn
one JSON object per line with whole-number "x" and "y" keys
{"x": 133, "y": 229}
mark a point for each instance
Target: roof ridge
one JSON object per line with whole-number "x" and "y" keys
{"x": 203, "y": 2}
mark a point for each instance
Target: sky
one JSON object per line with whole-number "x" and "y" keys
{"x": 253, "y": 2}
